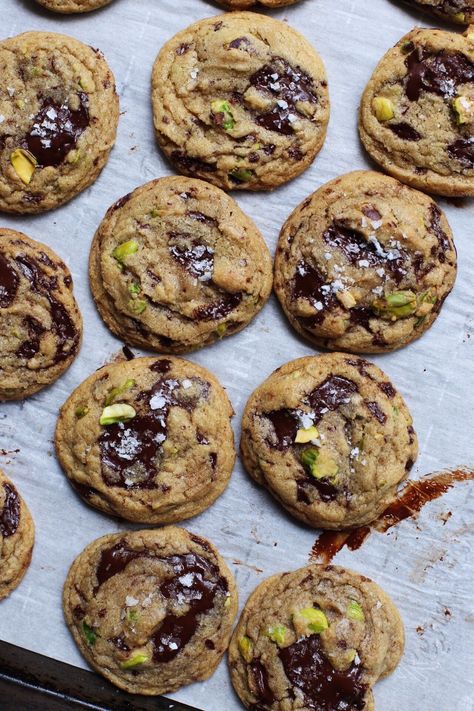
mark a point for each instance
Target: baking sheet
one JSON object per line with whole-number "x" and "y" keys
{"x": 428, "y": 565}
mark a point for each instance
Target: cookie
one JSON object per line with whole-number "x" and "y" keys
{"x": 150, "y": 610}
{"x": 58, "y": 119}
{"x": 364, "y": 264}
{"x": 331, "y": 439}
{"x": 417, "y": 112}
{"x": 71, "y": 6}
{"x": 40, "y": 323}
{"x": 240, "y": 100}
{"x": 17, "y": 535}
{"x": 459, "y": 11}
{"x": 177, "y": 265}
{"x": 148, "y": 440}
{"x": 242, "y": 4}
{"x": 316, "y": 638}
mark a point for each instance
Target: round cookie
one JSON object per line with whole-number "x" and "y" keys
{"x": 459, "y": 11}
{"x": 40, "y": 323}
{"x": 176, "y": 265}
{"x": 241, "y": 101}
{"x": 151, "y": 610}
{"x": 364, "y": 264}
{"x": 58, "y": 119}
{"x": 243, "y": 4}
{"x": 417, "y": 112}
{"x": 68, "y": 7}
{"x": 316, "y": 638}
{"x": 148, "y": 440}
{"x": 331, "y": 439}
{"x": 17, "y": 536}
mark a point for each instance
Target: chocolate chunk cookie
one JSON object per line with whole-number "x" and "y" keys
{"x": 71, "y": 6}
{"x": 176, "y": 265}
{"x": 331, "y": 438}
{"x": 148, "y": 440}
{"x": 364, "y": 264}
{"x": 241, "y": 101}
{"x": 459, "y": 11}
{"x": 151, "y": 610}
{"x": 243, "y": 4}
{"x": 40, "y": 323}
{"x": 58, "y": 119}
{"x": 417, "y": 112}
{"x": 17, "y": 535}
{"x": 318, "y": 639}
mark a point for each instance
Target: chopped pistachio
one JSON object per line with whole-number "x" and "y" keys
{"x": 115, "y": 392}
{"x": 227, "y": 602}
{"x": 81, "y": 411}
{"x": 355, "y": 612}
{"x": 346, "y": 299}
{"x": 383, "y": 108}
{"x": 222, "y": 113}
{"x": 134, "y": 288}
{"x": 242, "y": 175}
{"x": 463, "y": 108}
{"x": 36, "y": 72}
{"x": 138, "y": 306}
{"x": 303, "y": 436}
{"x": 86, "y": 84}
{"x": 221, "y": 329}
{"x": 400, "y": 304}
{"x": 125, "y": 250}
{"x": 134, "y": 661}
{"x": 277, "y": 634}
{"x": 132, "y": 615}
{"x": 318, "y": 463}
{"x": 246, "y": 648}
{"x": 90, "y": 634}
{"x": 120, "y": 412}
{"x": 459, "y": 17}
{"x": 310, "y": 620}
{"x": 24, "y": 164}
{"x": 407, "y": 47}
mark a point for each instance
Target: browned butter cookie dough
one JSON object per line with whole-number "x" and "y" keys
{"x": 40, "y": 323}
{"x": 459, "y": 11}
{"x": 417, "y": 112}
{"x": 58, "y": 119}
{"x": 176, "y": 265}
{"x": 17, "y": 534}
{"x": 151, "y": 610}
{"x": 316, "y": 639}
{"x": 331, "y": 439}
{"x": 71, "y": 6}
{"x": 240, "y": 100}
{"x": 364, "y": 264}
{"x": 148, "y": 440}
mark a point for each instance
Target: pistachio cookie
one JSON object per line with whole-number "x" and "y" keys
{"x": 17, "y": 535}
{"x": 243, "y": 4}
{"x": 417, "y": 112}
{"x": 40, "y": 323}
{"x": 151, "y": 610}
{"x": 317, "y": 638}
{"x": 240, "y": 100}
{"x": 330, "y": 437}
{"x": 58, "y": 120}
{"x": 459, "y": 11}
{"x": 176, "y": 265}
{"x": 71, "y": 6}
{"x": 364, "y": 264}
{"x": 148, "y": 440}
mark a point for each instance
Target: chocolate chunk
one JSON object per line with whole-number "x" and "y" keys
{"x": 377, "y": 412}
{"x": 242, "y": 43}
{"x": 218, "y": 309}
{"x": 308, "y": 283}
{"x": 9, "y": 282}
{"x": 260, "y": 676}
{"x": 326, "y": 489}
{"x": 128, "y": 353}
{"x": 285, "y": 427}
{"x": 330, "y": 395}
{"x": 405, "y": 131}
{"x": 163, "y": 365}
{"x": 388, "y": 389}
{"x": 372, "y": 213}
{"x": 463, "y": 151}
{"x": 29, "y": 348}
{"x": 441, "y": 236}
{"x": 192, "y": 165}
{"x": 114, "y": 560}
{"x": 119, "y": 643}
{"x": 201, "y": 217}
{"x": 197, "y": 258}
{"x": 438, "y": 73}
{"x": 10, "y": 515}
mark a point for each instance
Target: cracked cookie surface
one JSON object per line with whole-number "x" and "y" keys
{"x": 459, "y": 11}
{"x": 58, "y": 119}
{"x": 331, "y": 439}
{"x": 17, "y": 534}
{"x": 151, "y": 610}
{"x": 364, "y": 264}
{"x": 177, "y": 265}
{"x": 148, "y": 439}
{"x": 240, "y": 100}
{"x": 315, "y": 639}
{"x": 417, "y": 112}
{"x": 40, "y": 323}
{"x": 72, "y": 6}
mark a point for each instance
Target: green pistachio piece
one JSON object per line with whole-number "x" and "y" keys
{"x": 138, "y": 306}
{"x": 125, "y": 250}
{"x": 222, "y": 113}
{"x": 242, "y": 175}
{"x": 463, "y": 108}
{"x": 246, "y": 648}
{"x": 277, "y": 634}
{"x": 81, "y": 411}
{"x": 383, "y": 108}
{"x": 115, "y": 392}
{"x": 303, "y": 436}
{"x": 355, "y": 612}
{"x": 400, "y": 304}
{"x": 132, "y": 615}
{"x": 24, "y": 164}
{"x": 221, "y": 329}
{"x": 134, "y": 288}
{"x": 90, "y": 634}
{"x": 310, "y": 620}
{"x": 459, "y": 17}
{"x": 408, "y": 47}
{"x": 116, "y": 413}
{"x": 318, "y": 463}
{"x": 134, "y": 661}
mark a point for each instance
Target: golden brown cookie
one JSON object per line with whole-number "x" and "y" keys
{"x": 177, "y": 265}
{"x": 148, "y": 439}
{"x": 72, "y": 6}
{"x": 40, "y": 323}
{"x": 458, "y": 11}
{"x": 417, "y": 112}
{"x": 331, "y": 439}
{"x": 151, "y": 610}
{"x": 17, "y": 535}
{"x": 240, "y": 100}
{"x": 364, "y": 264}
{"x": 58, "y": 119}
{"x": 317, "y": 638}
{"x": 244, "y": 4}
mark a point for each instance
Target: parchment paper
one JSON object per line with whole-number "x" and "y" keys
{"x": 428, "y": 565}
